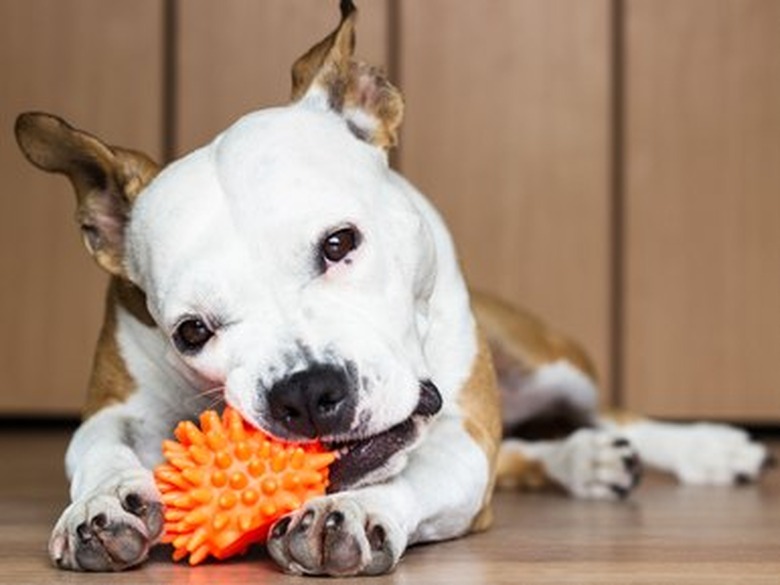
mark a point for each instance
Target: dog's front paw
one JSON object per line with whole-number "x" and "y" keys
{"x": 596, "y": 464}
{"x": 111, "y": 529}
{"x": 714, "y": 454}
{"x": 335, "y": 535}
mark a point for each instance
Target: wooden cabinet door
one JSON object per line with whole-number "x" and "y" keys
{"x": 234, "y": 56}
{"x": 702, "y": 201}
{"x": 97, "y": 63}
{"x": 508, "y": 131}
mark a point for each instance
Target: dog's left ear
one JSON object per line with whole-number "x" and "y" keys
{"x": 371, "y": 105}
{"x": 107, "y": 180}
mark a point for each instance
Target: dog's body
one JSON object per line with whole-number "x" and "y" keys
{"x": 287, "y": 269}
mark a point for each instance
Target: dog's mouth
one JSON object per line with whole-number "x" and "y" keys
{"x": 363, "y": 458}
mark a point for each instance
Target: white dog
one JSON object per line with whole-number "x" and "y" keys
{"x": 287, "y": 269}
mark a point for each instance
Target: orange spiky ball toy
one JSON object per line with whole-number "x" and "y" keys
{"x": 226, "y": 483}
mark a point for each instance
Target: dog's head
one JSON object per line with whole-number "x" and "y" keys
{"x": 284, "y": 261}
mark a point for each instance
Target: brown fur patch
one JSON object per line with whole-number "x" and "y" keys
{"x": 337, "y": 48}
{"x": 133, "y": 300}
{"x": 350, "y": 85}
{"x": 479, "y": 402}
{"x": 106, "y": 179}
{"x": 514, "y": 470}
{"x": 361, "y": 87}
{"x": 526, "y": 339}
{"x": 110, "y": 382}
{"x": 370, "y": 92}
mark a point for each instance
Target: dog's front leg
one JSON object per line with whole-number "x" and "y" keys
{"x": 366, "y": 530}
{"x": 115, "y": 513}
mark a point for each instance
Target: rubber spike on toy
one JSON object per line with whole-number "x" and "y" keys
{"x": 225, "y": 483}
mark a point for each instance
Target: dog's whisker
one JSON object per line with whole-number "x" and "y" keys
{"x": 210, "y": 391}
{"x": 215, "y": 396}
{"x": 215, "y": 402}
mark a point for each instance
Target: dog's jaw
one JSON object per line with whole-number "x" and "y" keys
{"x": 368, "y": 460}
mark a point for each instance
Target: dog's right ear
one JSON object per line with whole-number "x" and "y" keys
{"x": 106, "y": 179}
{"x": 372, "y": 106}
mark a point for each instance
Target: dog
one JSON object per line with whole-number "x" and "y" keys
{"x": 288, "y": 271}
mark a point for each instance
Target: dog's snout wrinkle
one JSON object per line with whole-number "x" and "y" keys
{"x": 315, "y": 402}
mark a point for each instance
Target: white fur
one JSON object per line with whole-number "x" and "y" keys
{"x": 704, "y": 453}
{"x": 249, "y": 211}
{"x": 545, "y": 389}
{"x": 590, "y": 463}
{"x": 229, "y": 234}
{"x": 435, "y": 497}
{"x": 111, "y": 454}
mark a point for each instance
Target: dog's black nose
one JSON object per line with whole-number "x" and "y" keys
{"x": 315, "y": 402}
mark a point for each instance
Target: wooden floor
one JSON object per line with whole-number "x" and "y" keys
{"x": 664, "y": 534}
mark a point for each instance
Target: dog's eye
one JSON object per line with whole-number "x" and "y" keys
{"x": 191, "y": 335}
{"x": 337, "y": 245}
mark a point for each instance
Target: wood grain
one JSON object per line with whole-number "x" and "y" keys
{"x": 663, "y": 534}
{"x": 507, "y": 130}
{"x": 703, "y": 208}
{"x": 96, "y": 63}
{"x": 235, "y": 56}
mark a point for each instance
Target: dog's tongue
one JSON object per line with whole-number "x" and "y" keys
{"x": 361, "y": 457}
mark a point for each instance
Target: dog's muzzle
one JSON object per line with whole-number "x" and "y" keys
{"x": 321, "y": 402}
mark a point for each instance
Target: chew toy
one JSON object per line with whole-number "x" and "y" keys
{"x": 226, "y": 483}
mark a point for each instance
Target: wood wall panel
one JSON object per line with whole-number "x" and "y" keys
{"x": 508, "y": 131}
{"x": 235, "y": 56}
{"x": 96, "y": 63}
{"x": 703, "y": 208}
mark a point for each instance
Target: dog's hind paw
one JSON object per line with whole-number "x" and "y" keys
{"x": 110, "y": 530}
{"x": 595, "y": 464}
{"x": 336, "y": 536}
{"x": 715, "y": 454}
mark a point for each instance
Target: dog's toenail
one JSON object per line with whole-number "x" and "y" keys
{"x": 621, "y": 442}
{"x": 631, "y": 462}
{"x": 742, "y": 479}
{"x": 334, "y": 520}
{"x": 377, "y": 537}
{"x": 280, "y": 528}
{"x": 620, "y": 491}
